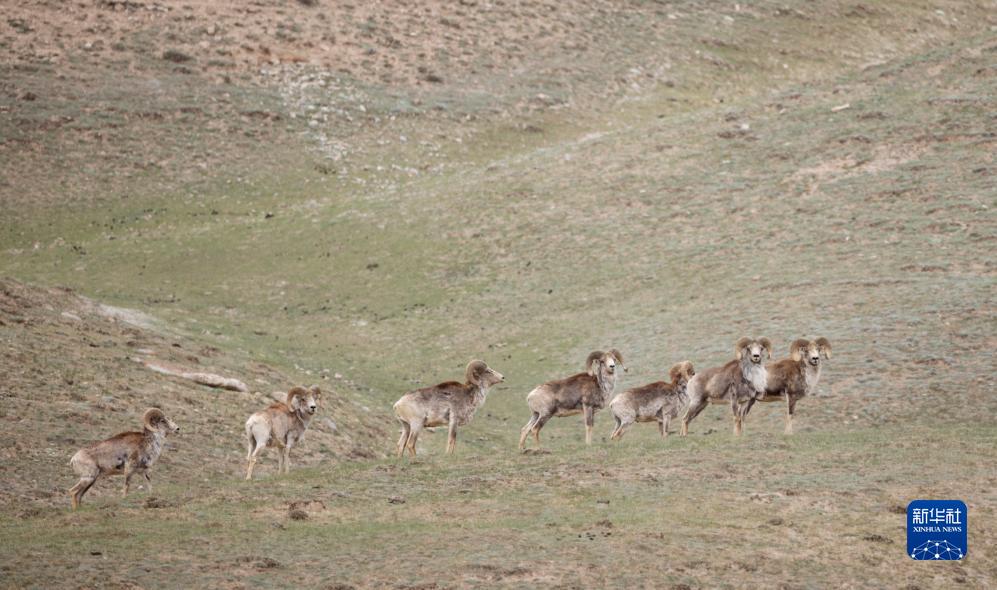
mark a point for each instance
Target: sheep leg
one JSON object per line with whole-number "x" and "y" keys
{"x": 86, "y": 488}
{"x": 74, "y": 502}
{"x": 733, "y": 413}
{"x": 735, "y": 409}
{"x": 536, "y": 427}
{"x": 790, "y": 407}
{"x": 129, "y": 472}
{"x": 695, "y": 407}
{"x": 148, "y": 480}
{"x": 663, "y": 426}
{"x": 452, "y": 436}
{"x": 617, "y": 430}
{"x": 525, "y": 432}
{"x": 403, "y": 439}
{"x": 414, "y": 437}
{"x": 622, "y": 426}
{"x": 589, "y": 412}
{"x": 287, "y": 457}
{"x": 76, "y": 492}
{"x": 255, "y": 447}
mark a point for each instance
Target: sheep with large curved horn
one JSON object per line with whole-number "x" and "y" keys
{"x": 583, "y": 393}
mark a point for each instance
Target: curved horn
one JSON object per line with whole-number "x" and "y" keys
{"x": 315, "y": 391}
{"x": 739, "y": 346}
{"x": 475, "y": 369}
{"x": 293, "y": 394}
{"x": 824, "y": 346}
{"x": 151, "y": 417}
{"x": 675, "y": 373}
{"x": 797, "y": 347}
{"x": 767, "y": 344}
{"x": 619, "y": 358}
{"x": 689, "y": 370}
{"x": 594, "y": 356}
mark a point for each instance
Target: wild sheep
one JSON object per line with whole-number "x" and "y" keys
{"x": 450, "y": 403}
{"x": 655, "y": 402}
{"x": 797, "y": 376}
{"x": 125, "y": 453}
{"x": 736, "y": 382}
{"x": 582, "y": 393}
{"x": 281, "y": 425}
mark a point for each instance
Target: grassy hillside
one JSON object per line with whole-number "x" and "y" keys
{"x": 659, "y": 178}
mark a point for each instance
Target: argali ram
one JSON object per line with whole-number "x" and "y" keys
{"x": 281, "y": 425}
{"x": 659, "y": 402}
{"x": 583, "y": 393}
{"x": 451, "y": 403}
{"x": 795, "y": 377}
{"x": 738, "y": 382}
{"x": 127, "y": 453}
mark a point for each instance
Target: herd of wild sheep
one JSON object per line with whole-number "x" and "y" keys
{"x": 741, "y": 382}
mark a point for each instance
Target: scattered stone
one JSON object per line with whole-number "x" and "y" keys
{"x": 155, "y": 502}
{"x": 176, "y": 56}
{"x": 209, "y": 379}
{"x": 396, "y": 500}
{"x": 536, "y": 452}
{"x": 298, "y": 514}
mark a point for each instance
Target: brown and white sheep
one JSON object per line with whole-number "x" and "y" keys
{"x": 795, "y": 377}
{"x": 737, "y": 382}
{"x": 659, "y": 402}
{"x": 451, "y": 403}
{"x": 583, "y": 393}
{"x": 127, "y": 453}
{"x": 281, "y": 425}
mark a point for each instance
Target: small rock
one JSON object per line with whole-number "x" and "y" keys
{"x": 157, "y": 503}
{"x": 298, "y": 514}
{"x": 396, "y": 500}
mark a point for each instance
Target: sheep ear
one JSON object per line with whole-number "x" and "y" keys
{"x": 796, "y": 349}
{"x": 619, "y": 357}
{"x": 768, "y": 346}
{"x": 316, "y": 392}
{"x": 739, "y": 346}
{"x": 824, "y": 346}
